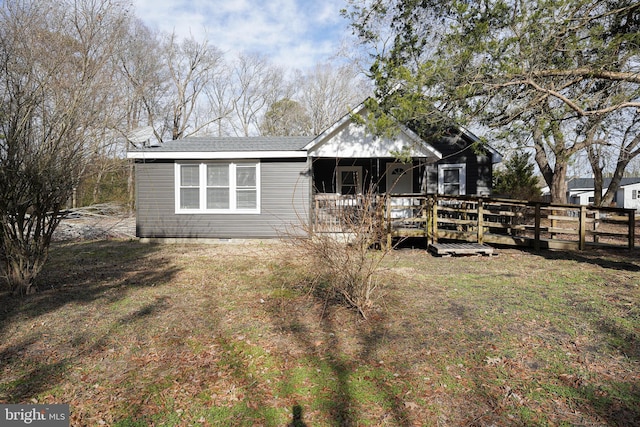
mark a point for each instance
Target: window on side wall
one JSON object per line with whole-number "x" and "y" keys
{"x": 452, "y": 179}
{"x": 217, "y": 187}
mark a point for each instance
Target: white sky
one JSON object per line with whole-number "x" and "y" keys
{"x": 292, "y": 33}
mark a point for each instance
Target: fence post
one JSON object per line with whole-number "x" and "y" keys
{"x": 536, "y": 232}
{"x": 480, "y": 221}
{"x": 433, "y": 220}
{"x": 424, "y": 205}
{"x": 632, "y": 228}
{"x": 582, "y": 228}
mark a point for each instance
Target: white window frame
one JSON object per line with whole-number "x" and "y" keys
{"x": 462, "y": 168}
{"x": 357, "y": 169}
{"x": 233, "y": 209}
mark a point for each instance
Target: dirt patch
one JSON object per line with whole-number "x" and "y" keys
{"x": 97, "y": 222}
{"x": 96, "y": 228}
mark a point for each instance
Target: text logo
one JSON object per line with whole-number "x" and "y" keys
{"x": 34, "y": 415}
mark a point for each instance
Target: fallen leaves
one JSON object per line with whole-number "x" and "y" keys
{"x": 210, "y": 336}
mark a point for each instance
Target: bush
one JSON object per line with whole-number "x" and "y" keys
{"x": 344, "y": 265}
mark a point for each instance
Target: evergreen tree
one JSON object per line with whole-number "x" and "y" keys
{"x": 517, "y": 179}
{"x": 535, "y": 72}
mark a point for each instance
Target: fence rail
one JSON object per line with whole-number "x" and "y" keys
{"x": 482, "y": 220}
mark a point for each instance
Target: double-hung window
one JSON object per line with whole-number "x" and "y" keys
{"x": 452, "y": 179}
{"x": 349, "y": 180}
{"x": 218, "y": 187}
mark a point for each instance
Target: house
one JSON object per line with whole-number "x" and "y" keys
{"x": 580, "y": 191}
{"x": 256, "y": 187}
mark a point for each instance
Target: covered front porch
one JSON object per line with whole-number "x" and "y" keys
{"x": 384, "y": 215}
{"x": 347, "y": 192}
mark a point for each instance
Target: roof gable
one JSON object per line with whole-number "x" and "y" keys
{"x": 348, "y": 139}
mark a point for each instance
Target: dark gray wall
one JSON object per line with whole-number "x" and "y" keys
{"x": 284, "y": 204}
{"x": 478, "y": 175}
{"x": 479, "y": 170}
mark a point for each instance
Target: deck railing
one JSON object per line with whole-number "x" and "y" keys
{"x": 482, "y": 220}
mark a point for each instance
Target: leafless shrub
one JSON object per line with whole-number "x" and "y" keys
{"x": 56, "y": 63}
{"x": 343, "y": 264}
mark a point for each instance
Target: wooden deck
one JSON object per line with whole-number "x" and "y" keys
{"x": 441, "y": 219}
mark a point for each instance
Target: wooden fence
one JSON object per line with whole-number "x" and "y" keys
{"x": 482, "y": 220}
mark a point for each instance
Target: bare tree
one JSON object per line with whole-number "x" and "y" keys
{"x": 56, "y": 77}
{"x": 615, "y": 143}
{"x": 328, "y": 91}
{"x": 146, "y": 79}
{"x": 193, "y": 66}
{"x": 257, "y": 84}
{"x": 286, "y": 117}
{"x": 221, "y": 101}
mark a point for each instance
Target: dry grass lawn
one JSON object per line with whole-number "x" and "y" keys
{"x": 133, "y": 335}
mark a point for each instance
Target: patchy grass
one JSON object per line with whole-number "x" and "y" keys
{"x": 135, "y": 335}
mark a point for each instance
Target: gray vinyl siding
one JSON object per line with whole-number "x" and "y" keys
{"x": 284, "y": 204}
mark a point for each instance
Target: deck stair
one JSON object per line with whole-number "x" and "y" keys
{"x": 449, "y": 249}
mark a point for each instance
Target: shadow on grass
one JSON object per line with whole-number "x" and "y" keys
{"x": 84, "y": 272}
{"x": 503, "y": 371}
{"x": 76, "y": 273}
{"x": 336, "y": 368}
{"x": 612, "y": 259}
{"x": 297, "y": 418}
{"x": 619, "y": 402}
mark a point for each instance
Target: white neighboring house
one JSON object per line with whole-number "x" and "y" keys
{"x": 580, "y": 191}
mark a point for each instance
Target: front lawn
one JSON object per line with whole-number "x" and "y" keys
{"x": 133, "y": 335}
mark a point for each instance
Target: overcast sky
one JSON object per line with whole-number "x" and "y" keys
{"x": 293, "y": 33}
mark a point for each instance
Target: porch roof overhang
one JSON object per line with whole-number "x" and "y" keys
{"x": 348, "y": 139}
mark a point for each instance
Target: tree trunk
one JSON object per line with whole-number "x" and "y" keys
{"x": 598, "y": 180}
{"x": 96, "y": 186}
{"x": 614, "y": 185}
{"x": 558, "y": 187}
{"x": 628, "y": 153}
{"x": 20, "y": 273}
{"x": 21, "y": 263}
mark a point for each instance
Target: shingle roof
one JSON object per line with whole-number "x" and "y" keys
{"x": 587, "y": 183}
{"x": 230, "y": 144}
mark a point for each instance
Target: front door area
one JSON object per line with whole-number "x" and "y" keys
{"x": 400, "y": 181}
{"x": 399, "y": 178}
